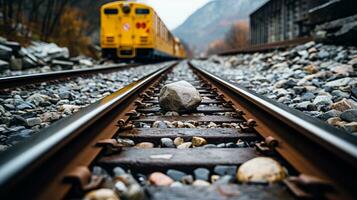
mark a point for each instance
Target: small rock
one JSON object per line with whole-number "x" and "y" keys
{"x": 120, "y": 187}
{"x": 185, "y": 145}
{"x": 167, "y": 142}
{"x": 101, "y": 194}
{"x": 171, "y": 113}
{"x": 126, "y": 142}
{"x": 160, "y": 179}
{"x": 69, "y": 109}
{"x": 215, "y": 178}
{"x": 343, "y": 105}
{"x": 349, "y": 115}
{"x": 224, "y": 180}
{"x": 212, "y": 125}
{"x": 145, "y": 145}
{"x": 198, "y": 141}
{"x": 344, "y": 70}
{"x": 342, "y": 82}
{"x": 329, "y": 114}
{"x": 323, "y": 100}
{"x": 176, "y": 184}
{"x": 350, "y": 127}
{"x": 50, "y": 116}
{"x": 201, "y": 174}
{"x": 32, "y": 121}
{"x": 201, "y": 183}
{"x": 176, "y": 175}
{"x": 180, "y": 97}
{"x": 225, "y": 170}
{"x": 178, "y": 141}
{"x": 334, "y": 121}
{"x": 188, "y": 125}
{"x": 354, "y": 92}
{"x": 187, "y": 180}
{"x": 222, "y": 145}
{"x": 209, "y": 146}
{"x": 118, "y": 171}
{"x": 159, "y": 124}
{"x": 311, "y": 69}
{"x": 38, "y": 99}
{"x": 261, "y": 169}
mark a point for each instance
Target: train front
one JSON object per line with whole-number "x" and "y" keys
{"x": 126, "y": 30}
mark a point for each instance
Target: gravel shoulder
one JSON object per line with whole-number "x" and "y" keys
{"x": 25, "y": 111}
{"x": 319, "y": 80}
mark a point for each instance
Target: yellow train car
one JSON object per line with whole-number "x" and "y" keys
{"x": 131, "y": 30}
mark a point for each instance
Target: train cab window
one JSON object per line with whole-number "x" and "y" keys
{"x": 111, "y": 11}
{"x": 142, "y": 11}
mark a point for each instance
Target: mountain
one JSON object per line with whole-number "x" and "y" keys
{"x": 213, "y": 20}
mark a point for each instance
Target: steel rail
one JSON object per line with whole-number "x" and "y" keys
{"x": 22, "y": 163}
{"x": 16, "y": 81}
{"x": 308, "y": 144}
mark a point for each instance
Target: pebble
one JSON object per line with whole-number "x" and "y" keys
{"x": 349, "y": 115}
{"x": 350, "y": 127}
{"x": 185, "y": 145}
{"x": 201, "y": 174}
{"x": 145, "y": 145}
{"x": 159, "y": 124}
{"x": 198, "y": 141}
{"x": 178, "y": 141}
{"x": 261, "y": 170}
{"x": 215, "y": 178}
{"x": 167, "y": 142}
{"x": 225, "y": 170}
{"x": 176, "y": 184}
{"x": 176, "y": 175}
{"x": 329, "y": 114}
{"x": 160, "y": 179}
{"x": 334, "y": 121}
{"x": 201, "y": 183}
{"x": 187, "y": 180}
{"x": 101, "y": 194}
{"x": 344, "y": 105}
{"x": 126, "y": 142}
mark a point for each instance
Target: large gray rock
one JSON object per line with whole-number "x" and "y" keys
{"x": 5, "y": 52}
{"x": 180, "y": 97}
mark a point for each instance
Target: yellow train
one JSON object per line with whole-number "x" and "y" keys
{"x": 132, "y": 30}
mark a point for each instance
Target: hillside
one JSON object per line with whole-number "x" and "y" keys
{"x": 213, "y": 20}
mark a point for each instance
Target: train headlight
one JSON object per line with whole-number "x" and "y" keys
{"x": 126, "y": 9}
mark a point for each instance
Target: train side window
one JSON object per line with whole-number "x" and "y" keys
{"x": 111, "y": 11}
{"x": 142, "y": 11}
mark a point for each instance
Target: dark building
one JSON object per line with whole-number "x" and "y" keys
{"x": 280, "y": 20}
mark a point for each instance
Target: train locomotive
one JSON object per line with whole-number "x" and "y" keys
{"x": 134, "y": 31}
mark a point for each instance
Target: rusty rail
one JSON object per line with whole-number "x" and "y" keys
{"x": 308, "y": 144}
{"x": 37, "y": 167}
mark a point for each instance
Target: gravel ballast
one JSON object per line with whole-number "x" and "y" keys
{"x": 25, "y": 111}
{"x": 319, "y": 80}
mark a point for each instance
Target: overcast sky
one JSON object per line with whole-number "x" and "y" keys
{"x": 175, "y": 12}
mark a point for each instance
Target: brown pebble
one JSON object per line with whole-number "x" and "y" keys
{"x": 145, "y": 145}
{"x": 160, "y": 179}
{"x": 198, "y": 141}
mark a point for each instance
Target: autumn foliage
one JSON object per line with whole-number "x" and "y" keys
{"x": 236, "y": 37}
{"x": 59, "y": 21}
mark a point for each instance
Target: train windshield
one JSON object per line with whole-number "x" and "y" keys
{"x": 142, "y": 11}
{"x": 111, "y": 11}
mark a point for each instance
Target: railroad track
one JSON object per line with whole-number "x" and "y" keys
{"x": 78, "y": 154}
{"x": 17, "y": 81}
